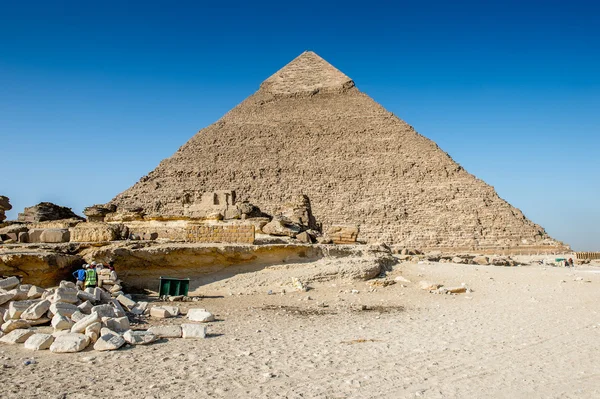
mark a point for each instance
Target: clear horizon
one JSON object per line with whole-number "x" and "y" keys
{"x": 93, "y": 98}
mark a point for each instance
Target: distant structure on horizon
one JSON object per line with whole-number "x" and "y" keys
{"x": 309, "y": 130}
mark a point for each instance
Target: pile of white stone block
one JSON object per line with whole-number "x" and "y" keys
{"x": 80, "y": 318}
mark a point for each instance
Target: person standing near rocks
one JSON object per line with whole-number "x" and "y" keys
{"x": 80, "y": 276}
{"x": 571, "y": 263}
{"x": 91, "y": 278}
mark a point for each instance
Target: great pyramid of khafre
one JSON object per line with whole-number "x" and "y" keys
{"x": 309, "y": 130}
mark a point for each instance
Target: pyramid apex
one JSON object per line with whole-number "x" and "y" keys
{"x": 307, "y": 73}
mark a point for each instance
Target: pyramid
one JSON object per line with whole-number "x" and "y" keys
{"x": 309, "y": 130}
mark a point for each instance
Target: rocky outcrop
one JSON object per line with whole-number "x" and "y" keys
{"x": 141, "y": 264}
{"x": 309, "y": 130}
{"x": 4, "y": 206}
{"x": 45, "y": 211}
{"x": 40, "y": 267}
{"x": 96, "y": 213}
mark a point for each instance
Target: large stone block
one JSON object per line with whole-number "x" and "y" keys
{"x": 118, "y": 324}
{"x": 63, "y": 309}
{"x": 6, "y": 296}
{"x": 193, "y": 331}
{"x": 35, "y": 292}
{"x": 166, "y": 331}
{"x": 67, "y": 295}
{"x": 109, "y": 342}
{"x": 200, "y": 315}
{"x": 16, "y": 308}
{"x": 69, "y": 343}
{"x": 96, "y": 232}
{"x": 11, "y": 325}
{"x": 9, "y": 283}
{"x": 128, "y": 303}
{"x": 17, "y": 336}
{"x": 60, "y": 322}
{"x": 55, "y": 236}
{"x": 139, "y": 337}
{"x": 37, "y": 342}
{"x": 104, "y": 310}
{"x": 36, "y": 310}
{"x": 82, "y": 324}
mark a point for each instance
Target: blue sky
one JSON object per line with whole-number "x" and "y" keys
{"x": 93, "y": 97}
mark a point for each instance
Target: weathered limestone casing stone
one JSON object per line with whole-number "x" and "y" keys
{"x": 118, "y": 324}
{"x": 60, "y": 322}
{"x": 78, "y": 316}
{"x": 63, "y": 308}
{"x": 104, "y": 310}
{"x": 193, "y": 331}
{"x": 38, "y": 342}
{"x": 9, "y": 283}
{"x": 85, "y": 307}
{"x": 82, "y": 324}
{"x": 16, "y": 308}
{"x": 166, "y": 331}
{"x": 200, "y": 315}
{"x": 17, "y": 336}
{"x": 67, "y": 295}
{"x": 36, "y": 310}
{"x": 139, "y": 337}
{"x": 6, "y": 296}
{"x": 109, "y": 342}
{"x": 11, "y": 325}
{"x": 69, "y": 343}
{"x": 55, "y": 236}
{"x": 128, "y": 303}
{"x": 35, "y": 292}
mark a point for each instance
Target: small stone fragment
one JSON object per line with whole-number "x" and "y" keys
{"x": 193, "y": 331}
{"x": 428, "y": 285}
{"x": 200, "y": 315}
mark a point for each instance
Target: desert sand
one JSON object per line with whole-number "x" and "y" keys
{"x": 524, "y": 332}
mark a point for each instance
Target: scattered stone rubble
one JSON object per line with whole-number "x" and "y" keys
{"x": 413, "y": 255}
{"x": 98, "y": 316}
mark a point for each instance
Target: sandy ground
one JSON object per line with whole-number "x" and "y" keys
{"x": 525, "y": 332}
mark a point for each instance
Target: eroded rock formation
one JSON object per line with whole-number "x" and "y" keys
{"x": 4, "y": 206}
{"x": 46, "y": 211}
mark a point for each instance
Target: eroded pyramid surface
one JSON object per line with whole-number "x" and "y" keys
{"x": 309, "y": 130}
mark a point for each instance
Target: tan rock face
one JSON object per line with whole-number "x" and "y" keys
{"x": 97, "y": 232}
{"x": 308, "y": 130}
{"x": 42, "y": 268}
{"x": 46, "y": 211}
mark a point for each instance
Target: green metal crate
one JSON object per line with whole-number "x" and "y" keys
{"x": 173, "y": 286}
